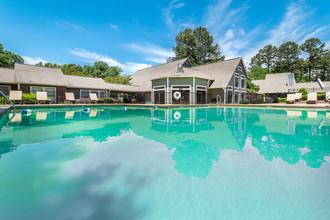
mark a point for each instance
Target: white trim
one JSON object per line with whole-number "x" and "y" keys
{"x": 158, "y": 88}
{"x": 239, "y": 68}
{"x": 201, "y": 88}
{"x": 229, "y": 88}
{"x": 172, "y": 87}
{"x": 237, "y": 76}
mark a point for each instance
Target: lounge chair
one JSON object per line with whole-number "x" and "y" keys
{"x": 311, "y": 98}
{"x": 42, "y": 96}
{"x": 69, "y": 96}
{"x": 15, "y": 96}
{"x": 327, "y": 96}
{"x": 93, "y": 97}
{"x": 298, "y": 97}
{"x": 290, "y": 98}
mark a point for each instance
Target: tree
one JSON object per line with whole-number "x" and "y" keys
{"x": 118, "y": 79}
{"x": 287, "y": 57}
{"x": 256, "y": 60}
{"x": 268, "y": 56}
{"x": 257, "y": 72}
{"x": 251, "y": 87}
{"x": 314, "y": 49}
{"x": 8, "y": 59}
{"x": 198, "y": 46}
{"x": 324, "y": 66}
{"x": 115, "y": 71}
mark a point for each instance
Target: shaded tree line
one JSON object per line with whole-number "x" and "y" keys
{"x": 100, "y": 69}
{"x": 110, "y": 74}
{"x": 8, "y": 59}
{"x": 308, "y": 61}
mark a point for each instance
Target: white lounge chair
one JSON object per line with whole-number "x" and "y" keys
{"x": 290, "y": 98}
{"x": 42, "y": 96}
{"x": 69, "y": 96}
{"x": 15, "y": 96}
{"x": 298, "y": 97}
{"x": 327, "y": 96}
{"x": 93, "y": 97}
{"x": 311, "y": 98}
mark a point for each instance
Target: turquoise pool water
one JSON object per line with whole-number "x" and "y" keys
{"x": 189, "y": 163}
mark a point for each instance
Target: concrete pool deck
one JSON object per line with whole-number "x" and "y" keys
{"x": 319, "y": 105}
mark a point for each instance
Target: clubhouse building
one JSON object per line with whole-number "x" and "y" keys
{"x": 174, "y": 82}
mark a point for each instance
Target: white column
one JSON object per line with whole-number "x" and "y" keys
{"x": 193, "y": 91}
{"x": 167, "y": 92}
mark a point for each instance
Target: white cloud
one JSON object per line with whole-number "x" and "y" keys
{"x": 168, "y": 16}
{"x": 33, "y": 60}
{"x": 229, "y": 34}
{"x": 91, "y": 57}
{"x": 68, "y": 25}
{"x": 152, "y": 53}
{"x": 113, "y": 26}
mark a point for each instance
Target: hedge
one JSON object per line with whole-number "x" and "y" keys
{"x": 105, "y": 100}
{"x": 281, "y": 99}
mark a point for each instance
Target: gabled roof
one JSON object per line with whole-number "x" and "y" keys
{"x": 273, "y": 83}
{"x": 35, "y": 75}
{"x": 123, "y": 88}
{"x": 7, "y": 76}
{"x": 82, "y": 82}
{"x": 277, "y": 83}
{"x": 187, "y": 72}
{"x": 221, "y": 71}
{"x": 143, "y": 77}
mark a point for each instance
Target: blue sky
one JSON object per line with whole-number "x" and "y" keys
{"x": 137, "y": 34}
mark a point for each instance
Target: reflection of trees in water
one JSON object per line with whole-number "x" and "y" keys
{"x": 307, "y": 143}
{"x": 194, "y": 158}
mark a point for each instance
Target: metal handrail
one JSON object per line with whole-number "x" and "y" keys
{"x": 8, "y": 101}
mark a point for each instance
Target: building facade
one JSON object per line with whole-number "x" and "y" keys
{"x": 174, "y": 82}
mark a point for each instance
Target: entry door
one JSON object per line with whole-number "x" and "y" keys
{"x": 159, "y": 97}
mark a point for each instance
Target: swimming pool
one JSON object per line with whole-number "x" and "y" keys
{"x": 185, "y": 163}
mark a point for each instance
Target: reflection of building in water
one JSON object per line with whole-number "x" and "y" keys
{"x": 189, "y": 120}
{"x": 196, "y": 135}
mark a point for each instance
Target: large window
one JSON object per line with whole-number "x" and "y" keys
{"x": 243, "y": 83}
{"x": 5, "y": 89}
{"x": 230, "y": 95}
{"x": 236, "y": 81}
{"x": 236, "y": 97}
{"x": 51, "y": 92}
{"x": 159, "y": 97}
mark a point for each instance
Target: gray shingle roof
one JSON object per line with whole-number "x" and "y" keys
{"x": 86, "y": 82}
{"x": 143, "y": 77}
{"x": 124, "y": 88}
{"x": 273, "y": 83}
{"x": 7, "y": 76}
{"x": 277, "y": 83}
{"x": 35, "y": 75}
{"x": 187, "y": 72}
{"x": 221, "y": 71}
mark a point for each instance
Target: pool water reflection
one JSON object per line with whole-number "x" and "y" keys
{"x": 187, "y": 163}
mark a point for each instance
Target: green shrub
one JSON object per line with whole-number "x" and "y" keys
{"x": 29, "y": 98}
{"x": 303, "y": 91}
{"x": 244, "y": 101}
{"x": 281, "y": 99}
{"x": 304, "y": 97}
{"x": 105, "y": 100}
{"x": 2, "y": 100}
{"x": 320, "y": 96}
